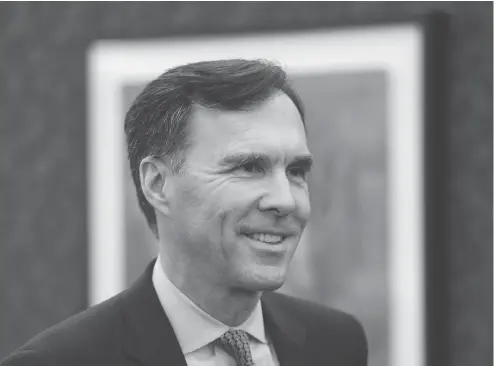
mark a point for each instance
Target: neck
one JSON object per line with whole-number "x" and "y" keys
{"x": 230, "y": 306}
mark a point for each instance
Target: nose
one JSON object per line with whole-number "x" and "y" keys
{"x": 279, "y": 197}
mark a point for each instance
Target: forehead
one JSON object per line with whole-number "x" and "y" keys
{"x": 274, "y": 128}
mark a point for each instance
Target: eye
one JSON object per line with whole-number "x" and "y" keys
{"x": 251, "y": 167}
{"x": 298, "y": 172}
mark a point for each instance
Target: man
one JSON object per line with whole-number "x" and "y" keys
{"x": 219, "y": 157}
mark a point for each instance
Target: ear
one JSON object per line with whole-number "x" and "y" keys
{"x": 156, "y": 184}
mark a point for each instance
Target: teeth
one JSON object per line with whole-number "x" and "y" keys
{"x": 267, "y": 238}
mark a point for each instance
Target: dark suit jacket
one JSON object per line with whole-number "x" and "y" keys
{"x": 132, "y": 329}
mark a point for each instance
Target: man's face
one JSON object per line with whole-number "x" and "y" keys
{"x": 240, "y": 208}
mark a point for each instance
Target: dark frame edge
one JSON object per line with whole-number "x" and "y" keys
{"x": 436, "y": 188}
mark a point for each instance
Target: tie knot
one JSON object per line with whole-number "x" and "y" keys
{"x": 236, "y": 343}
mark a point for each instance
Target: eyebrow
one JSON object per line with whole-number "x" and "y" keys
{"x": 237, "y": 159}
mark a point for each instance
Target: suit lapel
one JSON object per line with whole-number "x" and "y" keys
{"x": 286, "y": 332}
{"x": 148, "y": 334}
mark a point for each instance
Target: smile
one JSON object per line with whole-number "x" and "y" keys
{"x": 266, "y": 238}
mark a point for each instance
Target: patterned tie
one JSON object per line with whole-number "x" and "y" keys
{"x": 236, "y": 343}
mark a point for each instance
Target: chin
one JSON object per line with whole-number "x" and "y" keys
{"x": 265, "y": 280}
{"x": 272, "y": 286}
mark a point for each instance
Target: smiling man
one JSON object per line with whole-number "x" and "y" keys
{"x": 219, "y": 156}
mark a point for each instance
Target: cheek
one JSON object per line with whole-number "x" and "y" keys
{"x": 234, "y": 195}
{"x": 206, "y": 211}
{"x": 303, "y": 203}
{"x": 231, "y": 206}
{"x": 190, "y": 213}
{"x": 189, "y": 196}
{"x": 216, "y": 208}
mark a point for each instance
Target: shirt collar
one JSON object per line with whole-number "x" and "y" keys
{"x": 193, "y": 327}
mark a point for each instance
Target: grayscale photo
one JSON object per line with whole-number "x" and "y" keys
{"x": 246, "y": 183}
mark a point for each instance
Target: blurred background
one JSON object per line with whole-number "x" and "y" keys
{"x": 43, "y": 175}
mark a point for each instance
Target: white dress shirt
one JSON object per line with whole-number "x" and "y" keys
{"x": 195, "y": 329}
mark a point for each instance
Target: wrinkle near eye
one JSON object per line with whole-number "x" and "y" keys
{"x": 238, "y": 159}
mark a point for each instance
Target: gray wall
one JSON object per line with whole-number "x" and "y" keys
{"x": 43, "y": 226}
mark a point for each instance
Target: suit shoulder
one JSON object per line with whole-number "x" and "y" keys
{"x": 25, "y": 357}
{"x": 95, "y": 331}
{"x": 325, "y": 325}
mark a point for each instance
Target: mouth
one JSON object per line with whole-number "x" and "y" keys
{"x": 270, "y": 239}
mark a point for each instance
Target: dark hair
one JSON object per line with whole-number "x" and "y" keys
{"x": 156, "y": 123}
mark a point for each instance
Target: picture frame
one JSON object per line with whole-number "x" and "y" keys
{"x": 391, "y": 72}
